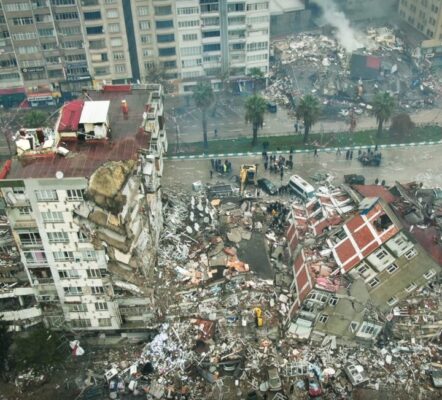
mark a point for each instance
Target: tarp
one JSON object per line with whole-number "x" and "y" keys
{"x": 95, "y": 112}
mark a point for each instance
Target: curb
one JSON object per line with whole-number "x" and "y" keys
{"x": 320, "y": 150}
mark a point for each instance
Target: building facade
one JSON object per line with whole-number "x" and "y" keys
{"x": 87, "y": 229}
{"x": 53, "y": 46}
{"x": 424, "y": 15}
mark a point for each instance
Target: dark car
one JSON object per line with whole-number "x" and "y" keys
{"x": 267, "y": 186}
{"x": 353, "y": 179}
{"x": 272, "y": 107}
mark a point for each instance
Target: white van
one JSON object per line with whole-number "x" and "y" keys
{"x": 301, "y": 187}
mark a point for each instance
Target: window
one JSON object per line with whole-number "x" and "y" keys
{"x": 392, "y": 268}
{"x": 63, "y": 2}
{"x": 392, "y": 301}
{"x": 72, "y": 291}
{"x": 143, "y": 11}
{"x": 94, "y": 30}
{"x": 235, "y": 7}
{"x": 147, "y": 52}
{"x": 410, "y": 287}
{"x": 164, "y": 24}
{"x": 208, "y": 34}
{"x": 120, "y": 68}
{"x": 109, "y": 1}
{"x": 166, "y": 38}
{"x": 112, "y": 13}
{"x": 81, "y": 323}
{"x": 187, "y": 10}
{"x": 88, "y": 16}
{"x": 211, "y": 47}
{"x": 257, "y": 46}
{"x": 35, "y": 257}
{"x": 54, "y": 45}
{"x": 17, "y": 7}
{"x": 116, "y": 42}
{"x": 68, "y": 274}
{"x": 97, "y": 289}
{"x": 13, "y": 76}
{"x": 190, "y": 36}
{"x": 93, "y": 273}
{"x": 24, "y": 210}
{"x": 237, "y": 21}
{"x": 70, "y": 30}
{"x": 146, "y": 39}
{"x": 118, "y": 55}
{"x": 144, "y": 25}
{"x": 82, "y": 238}
{"x": 210, "y": 21}
{"x": 89, "y": 255}
{"x": 53, "y": 60}
{"x": 168, "y": 64}
{"x": 333, "y": 301}
{"x": 27, "y": 49}
{"x": 188, "y": 24}
{"x": 381, "y": 254}
{"x": 102, "y": 71}
{"x": 24, "y": 35}
{"x": 114, "y": 28}
{"x": 66, "y": 16}
{"x": 257, "y": 6}
{"x": 30, "y": 238}
{"x": 97, "y": 44}
{"x": 257, "y": 57}
{"x": 76, "y": 57}
{"x": 353, "y": 326}
{"x": 428, "y": 275}
{"x": 61, "y": 256}
{"x": 323, "y": 318}
{"x": 257, "y": 20}
{"x": 410, "y": 254}
{"x": 208, "y": 8}
{"x": 101, "y": 306}
{"x": 191, "y": 51}
{"x": 374, "y": 282}
{"x": 77, "y": 307}
{"x": 191, "y": 63}
{"x": 90, "y": 2}
{"x": 167, "y": 51}
{"x": 75, "y": 194}
{"x": 58, "y": 237}
{"x": 104, "y": 322}
{"x": 163, "y": 10}
{"x": 23, "y": 21}
{"x": 52, "y": 216}
{"x": 370, "y": 329}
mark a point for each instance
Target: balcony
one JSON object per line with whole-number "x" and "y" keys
{"x": 24, "y": 223}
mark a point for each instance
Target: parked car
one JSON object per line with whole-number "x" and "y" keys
{"x": 267, "y": 186}
{"x": 272, "y": 107}
{"x": 274, "y": 380}
{"x": 353, "y": 179}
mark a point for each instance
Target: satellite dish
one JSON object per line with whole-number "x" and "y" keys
{"x": 59, "y": 175}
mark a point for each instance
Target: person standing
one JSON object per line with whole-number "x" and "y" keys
{"x": 215, "y": 132}
{"x": 211, "y": 173}
{"x": 296, "y": 126}
{"x": 351, "y": 154}
{"x": 315, "y": 153}
{"x": 282, "y": 173}
{"x": 265, "y": 165}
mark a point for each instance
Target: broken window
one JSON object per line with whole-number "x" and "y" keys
{"x": 68, "y": 274}
{"x": 410, "y": 287}
{"x": 24, "y": 210}
{"x": 430, "y": 274}
{"x": 77, "y": 307}
{"x": 72, "y": 291}
{"x": 392, "y": 301}
{"x": 353, "y": 326}
{"x": 30, "y": 238}
{"x": 97, "y": 289}
{"x": 93, "y": 273}
{"x": 104, "y": 322}
{"x": 82, "y": 237}
{"x": 383, "y": 222}
{"x": 89, "y": 255}
{"x": 81, "y": 323}
{"x": 333, "y": 300}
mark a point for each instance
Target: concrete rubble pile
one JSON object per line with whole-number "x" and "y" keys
{"x": 222, "y": 325}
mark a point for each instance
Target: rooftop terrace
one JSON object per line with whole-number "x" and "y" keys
{"x": 85, "y": 157}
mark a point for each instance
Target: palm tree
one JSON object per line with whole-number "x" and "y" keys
{"x": 255, "y": 109}
{"x": 383, "y": 106}
{"x": 309, "y": 111}
{"x": 256, "y": 74}
{"x": 203, "y": 97}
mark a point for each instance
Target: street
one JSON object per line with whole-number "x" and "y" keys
{"x": 406, "y": 164}
{"x": 228, "y": 119}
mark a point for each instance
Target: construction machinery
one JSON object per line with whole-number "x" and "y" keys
{"x": 248, "y": 174}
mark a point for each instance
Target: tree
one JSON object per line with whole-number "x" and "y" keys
{"x": 383, "y": 106}
{"x": 155, "y": 74}
{"x": 203, "y": 97}
{"x": 35, "y": 119}
{"x": 308, "y": 111}
{"x": 255, "y": 108}
{"x": 401, "y": 124}
{"x": 5, "y": 343}
{"x": 256, "y": 74}
{"x": 39, "y": 348}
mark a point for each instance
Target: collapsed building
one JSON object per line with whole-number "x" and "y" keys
{"x": 348, "y": 276}
{"x": 83, "y": 202}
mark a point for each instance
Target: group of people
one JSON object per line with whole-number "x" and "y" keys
{"x": 219, "y": 166}
{"x": 276, "y": 165}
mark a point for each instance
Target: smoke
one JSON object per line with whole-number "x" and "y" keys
{"x": 345, "y": 34}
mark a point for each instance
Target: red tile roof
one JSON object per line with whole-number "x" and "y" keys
{"x": 70, "y": 116}
{"x": 375, "y": 191}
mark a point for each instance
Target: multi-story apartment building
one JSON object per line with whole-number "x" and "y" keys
{"x": 425, "y": 16}
{"x": 357, "y": 266}
{"x": 53, "y": 46}
{"x": 84, "y": 206}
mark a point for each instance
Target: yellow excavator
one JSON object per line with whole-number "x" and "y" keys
{"x": 248, "y": 174}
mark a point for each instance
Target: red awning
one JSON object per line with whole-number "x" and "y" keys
{"x": 70, "y": 116}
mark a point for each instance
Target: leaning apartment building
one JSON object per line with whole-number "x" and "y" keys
{"x": 83, "y": 202}
{"x": 53, "y": 48}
